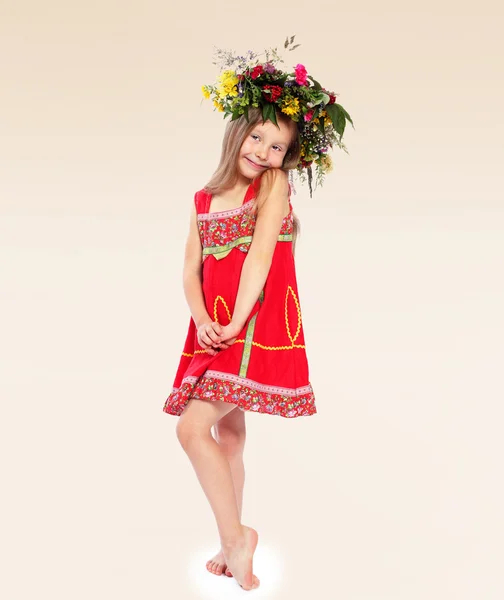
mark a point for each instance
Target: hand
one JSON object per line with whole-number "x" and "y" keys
{"x": 210, "y": 337}
{"x": 230, "y": 332}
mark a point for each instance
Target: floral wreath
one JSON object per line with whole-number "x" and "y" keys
{"x": 245, "y": 81}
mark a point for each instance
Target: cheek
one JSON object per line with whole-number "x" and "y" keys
{"x": 277, "y": 159}
{"x": 245, "y": 149}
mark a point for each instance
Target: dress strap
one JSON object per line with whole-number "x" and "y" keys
{"x": 252, "y": 190}
{"x": 202, "y": 201}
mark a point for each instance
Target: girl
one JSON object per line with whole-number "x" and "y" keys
{"x": 245, "y": 348}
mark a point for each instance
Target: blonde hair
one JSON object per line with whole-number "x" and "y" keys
{"x": 226, "y": 174}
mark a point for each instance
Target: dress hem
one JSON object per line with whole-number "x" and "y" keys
{"x": 243, "y": 396}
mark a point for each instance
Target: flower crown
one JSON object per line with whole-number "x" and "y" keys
{"x": 245, "y": 81}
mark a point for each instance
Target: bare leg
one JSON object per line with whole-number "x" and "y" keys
{"x": 230, "y": 433}
{"x": 212, "y": 468}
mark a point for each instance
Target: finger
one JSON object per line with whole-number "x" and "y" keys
{"x": 212, "y": 335}
{"x": 211, "y": 351}
{"x": 206, "y": 338}
{"x": 217, "y": 327}
{"x": 202, "y": 342}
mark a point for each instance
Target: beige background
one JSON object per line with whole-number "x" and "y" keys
{"x": 394, "y": 489}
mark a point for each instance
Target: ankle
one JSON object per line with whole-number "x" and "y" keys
{"x": 232, "y": 541}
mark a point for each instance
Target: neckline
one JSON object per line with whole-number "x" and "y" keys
{"x": 246, "y": 200}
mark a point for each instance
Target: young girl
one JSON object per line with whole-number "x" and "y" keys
{"x": 245, "y": 348}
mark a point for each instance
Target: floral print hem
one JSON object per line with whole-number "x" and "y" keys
{"x": 244, "y": 396}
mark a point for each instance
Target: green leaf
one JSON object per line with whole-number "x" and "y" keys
{"x": 337, "y": 117}
{"x": 346, "y": 115}
{"x": 268, "y": 112}
{"x": 317, "y": 99}
{"x": 316, "y": 84}
{"x": 246, "y": 113}
{"x": 292, "y": 39}
{"x": 279, "y": 80}
{"x": 286, "y": 43}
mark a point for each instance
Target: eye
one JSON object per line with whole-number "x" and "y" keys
{"x": 254, "y": 136}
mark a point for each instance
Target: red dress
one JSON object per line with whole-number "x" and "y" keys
{"x": 266, "y": 369}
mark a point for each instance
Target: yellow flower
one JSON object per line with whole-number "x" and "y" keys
{"x": 326, "y": 162}
{"x": 218, "y": 105}
{"x": 228, "y": 81}
{"x": 323, "y": 113}
{"x": 290, "y": 106}
{"x": 228, "y": 76}
{"x": 205, "y": 91}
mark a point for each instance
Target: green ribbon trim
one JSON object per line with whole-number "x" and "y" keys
{"x": 247, "y": 346}
{"x": 216, "y": 249}
{"x": 243, "y": 240}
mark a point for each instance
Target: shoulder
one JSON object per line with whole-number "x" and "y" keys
{"x": 201, "y": 198}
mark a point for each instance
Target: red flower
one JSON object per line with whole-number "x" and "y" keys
{"x": 309, "y": 115}
{"x": 258, "y": 70}
{"x": 276, "y": 92}
{"x": 301, "y": 74}
{"x": 332, "y": 97}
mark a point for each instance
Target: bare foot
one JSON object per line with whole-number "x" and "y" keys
{"x": 238, "y": 558}
{"x": 217, "y": 564}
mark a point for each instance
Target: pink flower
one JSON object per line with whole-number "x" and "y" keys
{"x": 301, "y": 74}
{"x": 309, "y": 115}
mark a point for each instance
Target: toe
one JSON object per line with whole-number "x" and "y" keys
{"x": 228, "y": 573}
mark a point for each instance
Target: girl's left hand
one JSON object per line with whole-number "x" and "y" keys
{"x": 230, "y": 332}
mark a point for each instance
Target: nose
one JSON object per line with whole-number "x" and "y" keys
{"x": 261, "y": 153}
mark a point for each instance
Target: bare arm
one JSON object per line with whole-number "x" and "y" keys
{"x": 258, "y": 261}
{"x": 208, "y": 331}
{"x": 192, "y": 274}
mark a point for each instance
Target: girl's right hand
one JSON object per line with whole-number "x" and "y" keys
{"x": 209, "y": 337}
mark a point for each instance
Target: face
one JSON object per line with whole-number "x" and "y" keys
{"x": 264, "y": 148}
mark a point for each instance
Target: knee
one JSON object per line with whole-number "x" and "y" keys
{"x": 187, "y": 433}
{"x": 231, "y": 441}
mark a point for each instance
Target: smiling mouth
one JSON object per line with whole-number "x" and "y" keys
{"x": 255, "y": 164}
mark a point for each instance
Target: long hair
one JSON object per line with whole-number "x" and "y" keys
{"x": 226, "y": 174}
